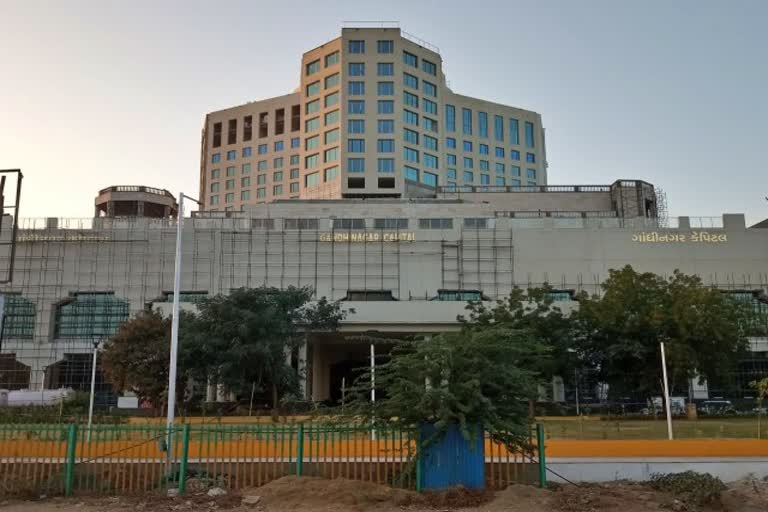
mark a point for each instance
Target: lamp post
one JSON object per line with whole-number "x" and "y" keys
{"x": 93, "y": 386}
{"x": 175, "y": 326}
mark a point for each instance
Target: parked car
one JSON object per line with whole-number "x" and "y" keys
{"x": 716, "y": 408}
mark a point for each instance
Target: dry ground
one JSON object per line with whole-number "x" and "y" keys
{"x": 293, "y": 494}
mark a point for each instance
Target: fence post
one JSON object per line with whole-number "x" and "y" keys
{"x": 184, "y": 457}
{"x": 300, "y": 450}
{"x": 542, "y": 456}
{"x": 69, "y": 468}
{"x": 418, "y": 462}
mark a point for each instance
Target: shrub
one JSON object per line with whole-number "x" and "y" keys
{"x": 689, "y": 486}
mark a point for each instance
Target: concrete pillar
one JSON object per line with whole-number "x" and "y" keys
{"x": 221, "y": 393}
{"x": 210, "y": 391}
{"x": 139, "y": 208}
{"x": 302, "y": 369}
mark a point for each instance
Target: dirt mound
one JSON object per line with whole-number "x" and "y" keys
{"x": 747, "y": 495}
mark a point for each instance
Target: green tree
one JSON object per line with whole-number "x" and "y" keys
{"x": 242, "y": 338}
{"x": 704, "y": 331}
{"x": 474, "y": 377}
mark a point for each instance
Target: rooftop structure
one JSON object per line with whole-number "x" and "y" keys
{"x": 135, "y": 201}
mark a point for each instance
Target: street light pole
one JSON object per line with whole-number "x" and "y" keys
{"x": 175, "y": 326}
{"x": 93, "y": 387}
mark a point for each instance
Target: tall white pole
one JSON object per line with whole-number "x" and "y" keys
{"x": 175, "y": 329}
{"x": 93, "y": 389}
{"x": 373, "y": 385}
{"x": 666, "y": 392}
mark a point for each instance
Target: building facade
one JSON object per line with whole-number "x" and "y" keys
{"x": 373, "y": 116}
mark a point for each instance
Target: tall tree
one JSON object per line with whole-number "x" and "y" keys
{"x": 241, "y": 339}
{"x": 704, "y": 331}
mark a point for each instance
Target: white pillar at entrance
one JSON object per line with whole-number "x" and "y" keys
{"x": 210, "y": 391}
{"x": 221, "y": 393}
{"x": 303, "y": 370}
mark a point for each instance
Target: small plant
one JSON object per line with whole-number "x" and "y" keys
{"x": 690, "y": 487}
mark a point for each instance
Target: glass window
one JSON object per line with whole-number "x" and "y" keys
{"x": 429, "y": 67}
{"x": 279, "y": 145}
{"x": 390, "y": 223}
{"x": 245, "y": 195}
{"x": 410, "y": 99}
{"x": 500, "y": 181}
{"x": 332, "y": 80}
{"x": 468, "y": 176}
{"x": 430, "y": 107}
{"x": 484, "y": 165}
{"x": 482, "y": 122}
{"x": 385, "y": 145}
{"x": 356, "y": 88}
{"x": 215, "y": 158}
{"x": 356, "y": 46}
{"x": 262, "y": 165}
{"x": 386, "y": 165}
{"x": 515, "y": 183}
{"x": 529, "y": 134}
{"x": 215, "y": 173}
{"x": 313, "y": 88}
{"x": 514, "y": 170}
{"x": 468, "y": 146}
{"x": 410, "y": 155}
{"x": 466, "y": 121}
{"x": 410, "y": 59}
{"x": 429, "y": 88}
{"x": 429, "y": 178}
{"x": 499, "y": 168}
{"x": 263, "y": 149}
{"x": 385, "y": 46}
{"x": 435, "y": 223}
{"x": 385, "y": 107}
{"x": 277, "y": 176}
{"x": 410, "y": 117}
{"x": 385, "y": 88}
{"x": 312, "y": 107}
{"x": 450, "y": 142}
{"x": 355, "y": 164}
{"x": 385, "y": 69}
{"x": 214, "y": 200}
{"x": 331, "y": 136}
{"x": 411, "y": 173}
{"x": 261, "y": 179}
{"x": 410, "y": 81}
{"x": 451, "y": 159}
{"x": 356, "y": 69}
{"x": 330, "y": 173}
{"x": 312, "y": 180}
{"x": 331, "y": 155}
{"x": 312, "y": 142}
{"x": 295, "y": 174}
{"x": 247, "y": 151}
{"x": 229, "y": 198}
{"x": 483, "y": 149}
{"x": 332, "y": 117}
{"x": 514, "y": 154}
{"x": 277, "y": 163}
{"x": 477, "y": 223}
{"x": 296, "y": 142}
{"x": 531, "y": 173}
{"x": 450, "y": 118}
{"x": 312, "y": 125}
{"x": 231, "y": 155}
{"x": 331, "y": 99}
{"x": 451, "y": 173}
{"x": 530, "y": 158}
{"x": 498, "y": 128}
{"x": 311, "y": 161}
{"x": 331, "y": 59}
{"x": 86, "y": 315}
{"x": 429, "y": 125}
{"x": 485, "y": 179}
{"x": 277, "y": 190}
{"x": 356, "y": 126}
{"x": 230, "y": 171}
{"x": 294, "y": 187}
{"x": 356, "y": 106}
{"x": 514, "y": 131}
{"x": 261, "y": 193}
{"x": 430, "y": 161}
{"x": 214, "y": 188}
{"x": 499, "y": 153}
{"x": 356, "y": 145}
{"x": 468, "y": 163}
{"x": 295, "y": 160}
{"x": 313, "y": 67}
{"x": 386, "y": 126}
{"x": 430, "y": 143}
{"x": 410, "y": 136}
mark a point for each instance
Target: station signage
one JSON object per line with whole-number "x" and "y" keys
{"x": 694, "y": 237}
{"x": 74, "y": 237}
{"x": 369, "y": 236}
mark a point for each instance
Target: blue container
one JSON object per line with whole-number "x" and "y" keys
{"x": 451, "y": 460}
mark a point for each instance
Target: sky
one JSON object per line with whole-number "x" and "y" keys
{"x": 106, "y": 92}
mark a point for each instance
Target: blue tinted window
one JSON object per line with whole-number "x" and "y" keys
{"x": 468, "y": 176}
{"x": 410, "y": 136}
{"x": 468, "y": 162}
{"x": 231, "y": 155}
{"x": 385, "y": 145}
{"x": 279, "y": 145}
{"x": 428, "y": 124}
{"x": 450, "y": 142}
{"x": 514, "y": 131}
{"x": 451, "y": 159}
{"x": 356, "y": 126}
{"x": 411, "y": 117}
{"x": 385, "y": 88}
{"x": 468, "y": 146}
{"x": 451, "y": 174}
{"x": 529, "y": 134}
{"x": 295, "y": 142}
{"x": 356, "y": 145}
{"x": 466, "y": 121}
{"x": 483, "y": 149}
{"x": 515, "y": 183}
{"x": 531, "y": 173}
{"x": 410, "y": 99}
{"x": 430, "y": 161}
{"x": 499, "y": 152}
{"x": 386, "y": 126}
{"x": 216, "y": 157}
{"x": 410, "y": 155}
{"x": 355, "y": 164}
{"x": 356, "y": 88}
{"x": 386, "y": 106}
{"x": 530, "y": 157}
{"x": 482, "y": 119}
{"x": 430, "y": 107}
{"x": 356, "y": 106}
{"x": 499, "y": 168}
{"x": 411, "y": 173}
{"x": 485, "y": 179}
{"x": 385, "y": 46}
{"x": 514, "y": 170}
{"x": 410, "y": 81}
{"x": 500, "y": 181}
{"x": 356, "y": 69}
{"x": 430, "y": 143}
{"x": 429, "y": 179}
{"x": 429, "y": 67}
{"x": 247, "y": 151}
{"x": 357, "y": 47}
{"x": 514, "y": 154}
{"x": 263, "y": 148}
{"x": 498, "y": 127}
{"x": 484, "y": 165}
{"x": 385, "y": 69}
{"x": 450, "y": 118}
{"x": 410, "y": 59}
{"x": 429, "y": 88}
{"x": 386, "y": 165}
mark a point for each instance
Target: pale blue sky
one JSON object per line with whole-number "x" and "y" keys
{"x": 95, "y": 93}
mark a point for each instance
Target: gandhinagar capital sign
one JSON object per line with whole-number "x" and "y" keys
{"x": 369, "y": 236}
{"x": 694, "y": 237}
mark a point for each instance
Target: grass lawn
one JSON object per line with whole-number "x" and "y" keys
{"x": 711, "y": 428}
